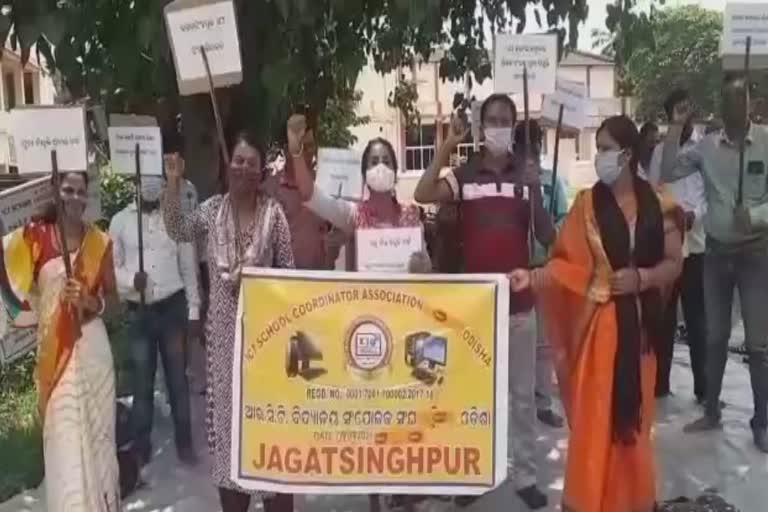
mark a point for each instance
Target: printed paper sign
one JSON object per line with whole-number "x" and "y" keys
{"x": 37, "y": 131}
{"x": 388, "y": 249}
{"x": 573, "y": 97}
{"x": 212, "y": 24}
{"x": 339, "y": 173}
{"x": 378, "y": 384}
{"x": 741, "y": 20}
{"x": 122, "y": 149}
{"x": 537, "y": 53}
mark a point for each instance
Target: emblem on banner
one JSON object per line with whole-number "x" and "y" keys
{"x": 368, "y": 347}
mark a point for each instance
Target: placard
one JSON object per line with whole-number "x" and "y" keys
{"x": 387, "y": 249}
{"x": 740, "y": 20}
{"x": 573, "y": 96}
{"x": 17, "y": 206}
{"x": 538, "y": 53}
{"x": 122, "y": 149}
{"x": 339, "y": 173}
{"x": 38, "y": 130}
{"x": 392, "y": 384}
{"x": 193, "y": 24}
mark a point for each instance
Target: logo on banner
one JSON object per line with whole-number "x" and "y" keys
{"x": 368, "y": 347}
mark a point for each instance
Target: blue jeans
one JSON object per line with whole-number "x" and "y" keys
{"x": 160, "y": 326}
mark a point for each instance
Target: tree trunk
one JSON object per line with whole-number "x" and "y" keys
{"x": 201, "y": 150}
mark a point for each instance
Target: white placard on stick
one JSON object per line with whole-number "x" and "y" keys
{"x": 387, "y": 250}
{"x": 38, "y": 130}
{"x": 537, "y": 53}
{"x": 573, "y": 97}
{"x": 212, "y": 24}
{"x": 339, "y": 173}
{"x": 742, "y": 20}
{"x": 122, "y": 149}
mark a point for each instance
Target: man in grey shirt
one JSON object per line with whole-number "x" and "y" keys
{"x": 737, "y": 243}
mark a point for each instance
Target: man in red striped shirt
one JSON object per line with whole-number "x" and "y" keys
{"x": 500, "y": 204}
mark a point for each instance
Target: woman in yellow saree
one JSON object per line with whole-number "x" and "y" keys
{"x": 602, "y": 297}
{"x": 74, "y": 374}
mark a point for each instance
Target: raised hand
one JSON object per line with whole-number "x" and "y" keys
{"x": 297, "y": 134}
{"x": 459, "y": 130}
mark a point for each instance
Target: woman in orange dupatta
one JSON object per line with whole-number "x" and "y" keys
{"x": 602, "y": 296}
{"x": 74, "y": 373}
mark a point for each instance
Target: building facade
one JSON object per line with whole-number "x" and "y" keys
{"x": 20, "y": 85}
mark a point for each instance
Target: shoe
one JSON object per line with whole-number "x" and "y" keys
{"x": 704, "y": 424}
{"x": 550, "y": 418}
{"x": 187, "y": 456}
{"x": 761, "y": 439}
{"x": 533, "y": 497}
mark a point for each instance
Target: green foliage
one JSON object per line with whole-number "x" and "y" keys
{"x": 404, "y": 98}
{"x": 295, "y": 52}
{"x": 117, "y": 192}
{"x": 338, "y": 118}
{"x": 21, "y": 464}
{"x": 682, "y": 51}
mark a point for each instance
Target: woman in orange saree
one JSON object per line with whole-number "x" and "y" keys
{"x": 602, "y": 296}
{"x": 74, "y": 373}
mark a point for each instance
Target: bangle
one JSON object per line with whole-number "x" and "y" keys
{"x": 299, "y": 154}
{"x": 102, "y": 306}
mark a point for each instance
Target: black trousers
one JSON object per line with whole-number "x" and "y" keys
{"x": 695, "y": 320}
{"x": 667, "y": 348}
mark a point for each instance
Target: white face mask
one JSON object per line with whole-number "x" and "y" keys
{"x": 151, "y": 188}
{"x": 607, "y": 166}
{"x": 498, "y": 140}
{"x": 380, "y": 178}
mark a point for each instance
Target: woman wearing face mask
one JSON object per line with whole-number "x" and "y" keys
{"x": 263, "y": 240}
{"x": 75, "y": 372}
{"x": 380, "y": 210}
{"x": 602, "y": 295}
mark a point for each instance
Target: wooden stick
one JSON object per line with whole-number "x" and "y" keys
{"x": 60, "y": 213}
{"x": 222, "y": 146}
{"x": 555, "y": 158}
{"x": 139, "y": 222}
{"x": 743, "y": 141}
{"x": 526, "y": 152}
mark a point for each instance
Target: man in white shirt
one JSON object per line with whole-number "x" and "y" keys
{"x": 690, "y": 195}
{"x": 171, "y": 305}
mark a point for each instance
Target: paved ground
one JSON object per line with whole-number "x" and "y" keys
{"x": 688, "y": 464}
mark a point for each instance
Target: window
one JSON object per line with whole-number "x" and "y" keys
{"x": 9, "y": 83}
{"x": 419, "y": 147}
{"x": 29, "y": 88}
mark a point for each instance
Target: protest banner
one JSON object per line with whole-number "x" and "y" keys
{"x": 377, "y": 384}
{"x": 572, "y": 96}
{"x": 122, "y": 149}
{"x": 339, "y": 173}
{"x": 535, "y": 53}
{"x": 17, "y": 206}
{"x": 36, "y": 131}
{"x": 742, "y": 20}
{"x": 212, "y": 26}
{"x": 387, "y": 249}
